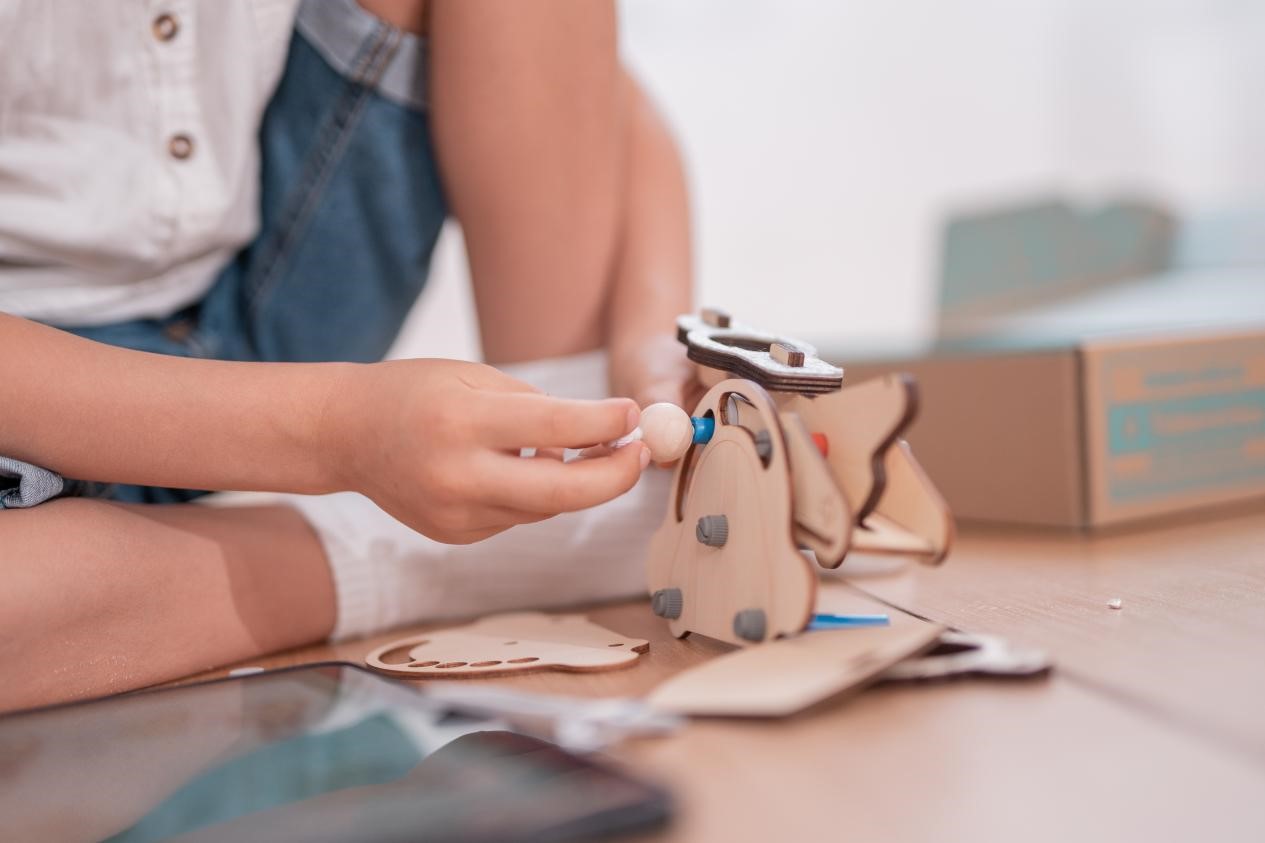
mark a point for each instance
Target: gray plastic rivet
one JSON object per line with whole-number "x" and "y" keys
{"x": 667, "y": 603}
{"x": 712, "y": 530}
{"x": 749, "y": 624}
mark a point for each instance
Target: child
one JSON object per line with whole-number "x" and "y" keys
{"x": 193, "y": 219}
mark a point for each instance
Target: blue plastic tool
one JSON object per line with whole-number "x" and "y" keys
{"x": 826, "y": 621}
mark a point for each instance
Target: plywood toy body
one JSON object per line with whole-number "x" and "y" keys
{"x": 795, "y": 461}
{"x": 509, "y": 643}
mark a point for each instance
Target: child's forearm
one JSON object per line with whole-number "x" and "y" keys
{"x": 95, "y": 412}
{"x": 435, "y": 443}
{"x": 652, "y": 279}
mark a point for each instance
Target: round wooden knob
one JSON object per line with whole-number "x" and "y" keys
{"x": 667, "y": 431}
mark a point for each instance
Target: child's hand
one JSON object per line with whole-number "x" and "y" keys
{"x": 436, "y": 444}
{"x": 653, "y": 370}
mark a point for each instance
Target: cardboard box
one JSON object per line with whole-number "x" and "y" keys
{"x": 1093, "y": 365}
{"x": 1092, "y": 433}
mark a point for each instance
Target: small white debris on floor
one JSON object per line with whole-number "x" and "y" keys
{"x": 1115, "y": 602}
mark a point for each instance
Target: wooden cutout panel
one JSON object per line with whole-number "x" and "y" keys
{"x": 747, "y": 353}
{"x": 511, "y": 643}
{"x": 783, "y": 677}
{"x": 759, "y": 566}
{"x": 823, "y": 521}
{"x": 882, "y": 535}
{"x": 862, "y": 422}
{"x": 911, "y": 502}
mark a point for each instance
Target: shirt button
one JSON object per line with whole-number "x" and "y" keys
{"x": 180, "y": 146}
{"x": 166, "y": 27}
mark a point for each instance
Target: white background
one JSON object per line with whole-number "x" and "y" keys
{"x": 826, "y": 141}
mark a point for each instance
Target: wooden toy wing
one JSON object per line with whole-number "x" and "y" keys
{"x": 911, "y": 517}
{"x": 861, "y": 422}
{"x": 896, "y": 509}
{"x": 822, "y": 517}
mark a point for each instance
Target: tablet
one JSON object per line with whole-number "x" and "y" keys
{"x": 318, "y": 753}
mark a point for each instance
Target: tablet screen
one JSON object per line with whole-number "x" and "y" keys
{"x": 324, "y": 753}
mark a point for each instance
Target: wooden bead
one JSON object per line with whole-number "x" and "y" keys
{"x": 667, "y": 431}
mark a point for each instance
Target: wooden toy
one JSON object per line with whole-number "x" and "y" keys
{"x": 508, "y": 643}
{"x": 796, "y": 462}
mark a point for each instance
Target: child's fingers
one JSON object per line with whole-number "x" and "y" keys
{"x": 501, "y": 517}
{"x": 548, "y": 486}
{"x": 661, "y": 392}
{"x": 509, "y": 420}
{"x": 694, "y": 391}
{"x": 483, "y": 522}
{"x": 558, "y": 454}
{"x": 595, "y": 451}
{"x": 607, "y": 450}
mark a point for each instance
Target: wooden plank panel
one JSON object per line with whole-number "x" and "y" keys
{"x": 970, "y": 760}
{"x": 1187, "y": 643}
{"x": 1152, "y": 729}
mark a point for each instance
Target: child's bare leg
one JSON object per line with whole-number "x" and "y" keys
{"x": 101, "y": 597}
{"x": 568, "y": 187}
{"x": 530, "y": 126}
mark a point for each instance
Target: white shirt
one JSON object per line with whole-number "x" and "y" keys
{"x": 129, "y": 161}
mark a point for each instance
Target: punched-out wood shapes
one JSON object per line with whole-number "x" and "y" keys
{"x": 509, "y": 643}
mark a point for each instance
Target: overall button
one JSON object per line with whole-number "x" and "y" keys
{"x": 178, "y": 330}
{"x": 165, "y": 27}
{"x": 180, "y": 146}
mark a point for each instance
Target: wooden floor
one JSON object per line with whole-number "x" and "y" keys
{"x": 1152, "y": 727}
